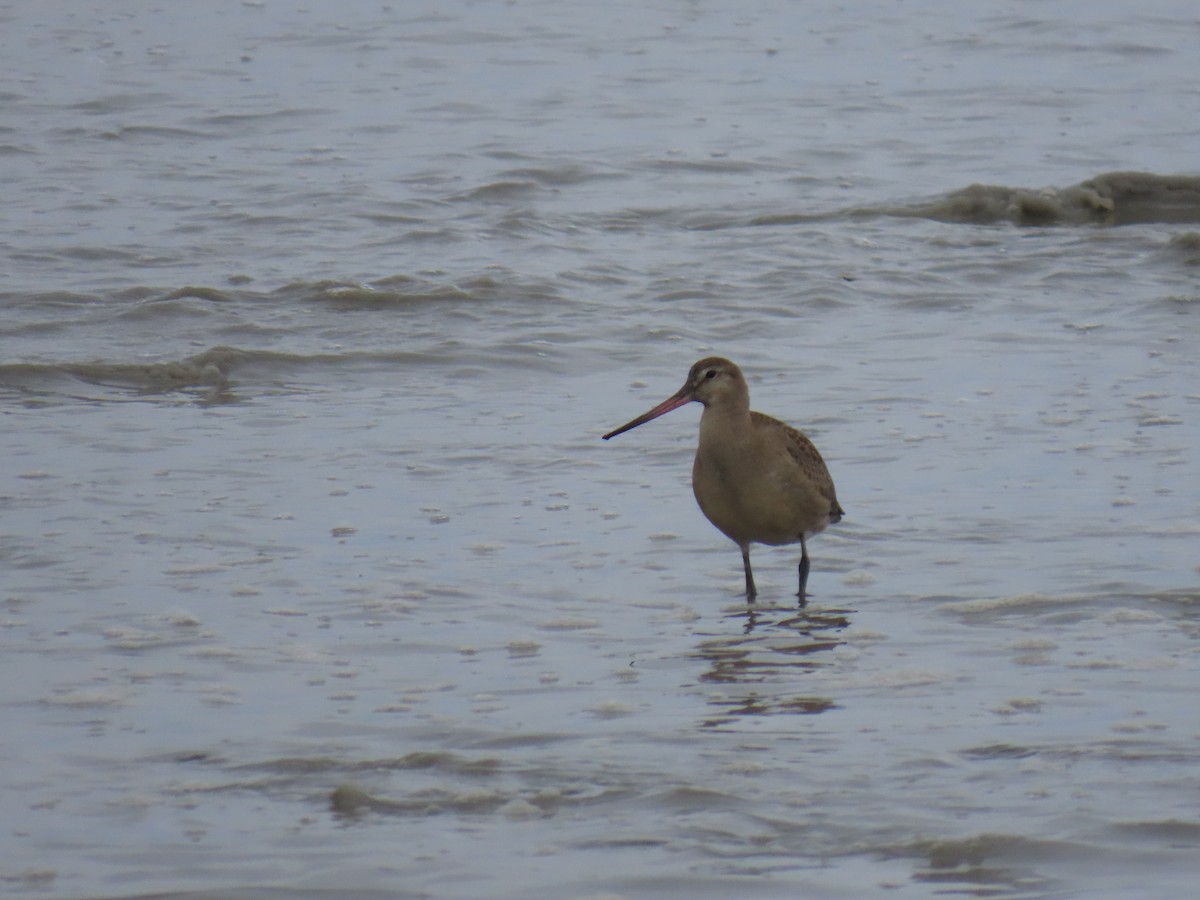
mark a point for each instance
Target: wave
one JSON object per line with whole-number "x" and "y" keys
{"x": 212, "y": 368}
{"x": 214, "y": 374}
{"x": 1114, "y": 198}
{"x": 404, "y": 291}
{"x": 208, "y": 370}
{"x": 1183, "y": 248}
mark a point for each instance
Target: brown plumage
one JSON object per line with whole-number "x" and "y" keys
{"x": 755, "y": 478}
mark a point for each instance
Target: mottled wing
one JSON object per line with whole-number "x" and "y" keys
{"x": 808, "y": 458}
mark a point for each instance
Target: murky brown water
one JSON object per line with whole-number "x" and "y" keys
{"x": 318, "y": 580}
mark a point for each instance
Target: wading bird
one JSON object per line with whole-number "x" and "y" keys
{"x": 755, "y": 478}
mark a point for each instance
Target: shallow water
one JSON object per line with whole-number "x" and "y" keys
{"x": 318, "y": 580}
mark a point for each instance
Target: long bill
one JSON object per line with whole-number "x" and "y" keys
{"x": 674, "y": 402}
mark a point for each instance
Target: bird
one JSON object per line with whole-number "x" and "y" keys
{"x": 756, "y": 479}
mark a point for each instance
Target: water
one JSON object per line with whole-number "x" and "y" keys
{"x": 317, "y": 579}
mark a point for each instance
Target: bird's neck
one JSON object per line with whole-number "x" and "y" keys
{"x": 725, "y": 425}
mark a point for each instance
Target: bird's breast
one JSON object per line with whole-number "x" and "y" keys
{"x": 752, "y": 490}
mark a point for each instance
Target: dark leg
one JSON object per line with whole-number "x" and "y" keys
{"x": 803, "y": 570}
{"x": 751, "y": 590}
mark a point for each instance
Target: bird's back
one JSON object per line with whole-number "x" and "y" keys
{"x": 810, "y": 466}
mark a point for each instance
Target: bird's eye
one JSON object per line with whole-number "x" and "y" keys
{"x": 711, "y": 373}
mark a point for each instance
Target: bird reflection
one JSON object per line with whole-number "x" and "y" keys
{"x": 803, "y": 620}
{"x": 777, "y": 646}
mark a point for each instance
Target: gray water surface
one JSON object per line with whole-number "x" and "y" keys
{"x": 316, "y": 578}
